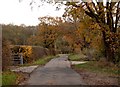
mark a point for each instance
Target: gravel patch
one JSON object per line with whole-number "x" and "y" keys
{"x": 27, "y": 69}
{"x": 77, "y": 62}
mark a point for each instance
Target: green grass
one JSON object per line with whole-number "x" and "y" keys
{"x": 41, "y": 61}
{"x": 0, "y": 79}
{"x": 95, "y": 66}
{"x": 9, "y": 78}
{"x": 76, "y": 57}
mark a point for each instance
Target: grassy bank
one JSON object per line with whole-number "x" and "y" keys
{"x": 41, "y": 61}
{"x": 11, "y": 78}
{"x": 77, "y": 57}
{"x": 99, "y": 67}
{"x": 96, "y": 72}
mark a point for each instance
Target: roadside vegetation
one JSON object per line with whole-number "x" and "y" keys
{"x": 13, "y": 78}
{"x": 95, "y": 72}
{"x": 9, "y": 78}
{"x": 44, "y": 60}
{"x": 99, "y": 67}
{"x": 77, "y": 57}
{"x": 86, "y": 31}
{"x": 41, "y": 61}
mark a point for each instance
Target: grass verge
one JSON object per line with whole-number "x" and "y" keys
{"x": 77, "y": 57}
{"x": 11, "y": 78}
{"x": 41, "y": 61}
{"x": 99, "y": 67}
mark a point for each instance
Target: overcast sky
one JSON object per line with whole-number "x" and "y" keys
{"x": 13, "y": 12}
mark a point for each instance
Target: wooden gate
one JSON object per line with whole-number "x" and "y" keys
{"x": 17, "y": 59}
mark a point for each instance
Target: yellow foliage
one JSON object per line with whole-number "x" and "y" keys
{"x": 27, "y": 53}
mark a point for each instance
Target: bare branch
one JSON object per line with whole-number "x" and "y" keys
{"x": 117, "y": 16}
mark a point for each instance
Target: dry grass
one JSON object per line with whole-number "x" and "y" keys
{"x": 99, "y": 72}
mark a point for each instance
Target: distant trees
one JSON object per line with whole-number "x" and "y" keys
{"x": 17, "y": 35}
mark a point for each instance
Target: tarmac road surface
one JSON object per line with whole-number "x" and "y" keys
{"x": 55, "y": 72}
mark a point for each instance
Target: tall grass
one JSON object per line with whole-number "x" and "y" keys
{"x": 9, "y": 78}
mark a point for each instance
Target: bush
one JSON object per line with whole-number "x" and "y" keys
{"x": 93, "y": 54}
{"x": 89, "y": 53}
{"x": 104, "y": 63}
{"x": 97, "y": 55}
{"x": 39, "y": 52}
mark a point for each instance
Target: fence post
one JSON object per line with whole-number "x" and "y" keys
{"x": 21, "y": 59}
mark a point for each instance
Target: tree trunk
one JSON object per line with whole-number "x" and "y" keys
{"x": 108, "y": 53}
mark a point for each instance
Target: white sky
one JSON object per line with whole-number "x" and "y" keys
{"x": 13, "y": 12}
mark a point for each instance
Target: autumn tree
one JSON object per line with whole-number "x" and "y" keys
{"x": 48, "y": 32}
{"x": 107, "y": 15}
{"x": 80, "y": 25}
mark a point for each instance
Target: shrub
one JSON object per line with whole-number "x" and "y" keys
{"x": 89, "y": 53}
{"x": 39, "y": 52}
{"x": 104, "y": 63}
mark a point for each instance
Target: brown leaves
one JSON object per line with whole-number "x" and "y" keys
{"x": 48, "y": 31}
